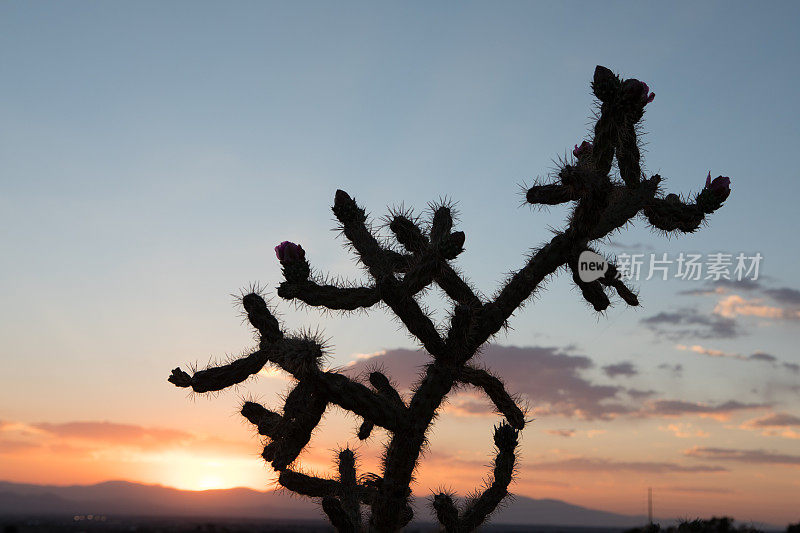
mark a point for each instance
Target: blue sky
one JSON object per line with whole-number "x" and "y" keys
{"x": 152, "y": 155}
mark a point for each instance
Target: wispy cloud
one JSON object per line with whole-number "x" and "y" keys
{"x": 698, "y": 490}
{"x": 636, "y": 246}
{"x": 743, "y": 456}
{"x": 561, "y": 432}
{"x": 593, "y": 464}
{"x": 707, "y": 351}
{"x": 638, "y": 394}
{"x": 121, "y": 434}
{"x": 690, "y": 323}
{"x": 724, "y": 286}
{"x": 760, "y": 357}
{"x": 13, "y": 446}
{"x": 775, "y": 425}
{"x": 784, "y": 295}
{"x": 625, "y": 368}
{"x": 791, "y": 367}
{"x": 675, "y": 369}
{"x": 721, "y": 411}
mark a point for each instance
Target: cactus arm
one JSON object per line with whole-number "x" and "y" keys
{"x": 311, "y": 486}
{"x": 446, "y": 511}
{"x": 353, "y": 225}
{"x": 624, "y": 204}
{"x": 349, "y": 487}
{"x": 612, "y": 279}
{"x": 385, "y": 389}
{"x": 365, "y": 430}
{"x": 338, "y": 517}
{"x": 673, "y": 214}
{"x": 591, "y": 291}
{"x": 628, "y": 156}
{"x": 302, "y": 413}
{"x": 317, "y": 487}
{"x": 551, "y": 194}
{"x": 521, "y": 285}
{"x": 362, "y": 401}
{"x": 218, "y": 378}
{"x": 265, "y": 420}
{"x": 496, "y": 391}
{"x": 329, "y": 296}
{"x": 397, "y": 297}
{"x": 419, "y": 324}
{"x": 412, "y": 238}
{"x": 428, "y": 263}
{"x": 352, "y": 396}
{"x": 260, "y": 317}
{"x": 477, "y": 511}
{"x": 456, "y": 288}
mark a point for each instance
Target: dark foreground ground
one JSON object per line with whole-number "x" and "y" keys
{"x": 90, "y": 523}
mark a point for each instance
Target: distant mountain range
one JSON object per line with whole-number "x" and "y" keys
{"x": 123, "y": 498}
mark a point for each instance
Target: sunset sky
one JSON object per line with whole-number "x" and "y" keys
{"x": 153, "y": 154}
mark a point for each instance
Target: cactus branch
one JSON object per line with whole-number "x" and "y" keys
{"x": 221, "y": 377}
{"x": 446, "y": 512}
{"x": 337, "y": 515}
{"x": 349, "y": 487}
{"x": 478, "y": 510}
{"x": 314, "y": 487}
{"x": 552, "y": 194}
{"x": 496, "y": 392}
{"x": 359, "y": 399}
{"x": 412, "y": 238}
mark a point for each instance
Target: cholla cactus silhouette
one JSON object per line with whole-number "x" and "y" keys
{"x": 602, "y": 205}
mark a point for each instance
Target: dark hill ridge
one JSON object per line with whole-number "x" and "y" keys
{"x": 133, "y": 499}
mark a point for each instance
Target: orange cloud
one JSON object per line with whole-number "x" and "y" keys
{"x": 684, "y": 431}
{"x": 774, "y": 425}
{"x": 117, "y": 434}
{"x": 707, "y": 351}
{"x": 735, "y": 305}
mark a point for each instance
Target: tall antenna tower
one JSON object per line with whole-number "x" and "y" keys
{"x": 650, "y": 505}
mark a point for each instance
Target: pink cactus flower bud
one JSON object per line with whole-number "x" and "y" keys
{"x": 584, "y": 149}
{"x": 720, "y": 186}
{"x": 289, "y": 252}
